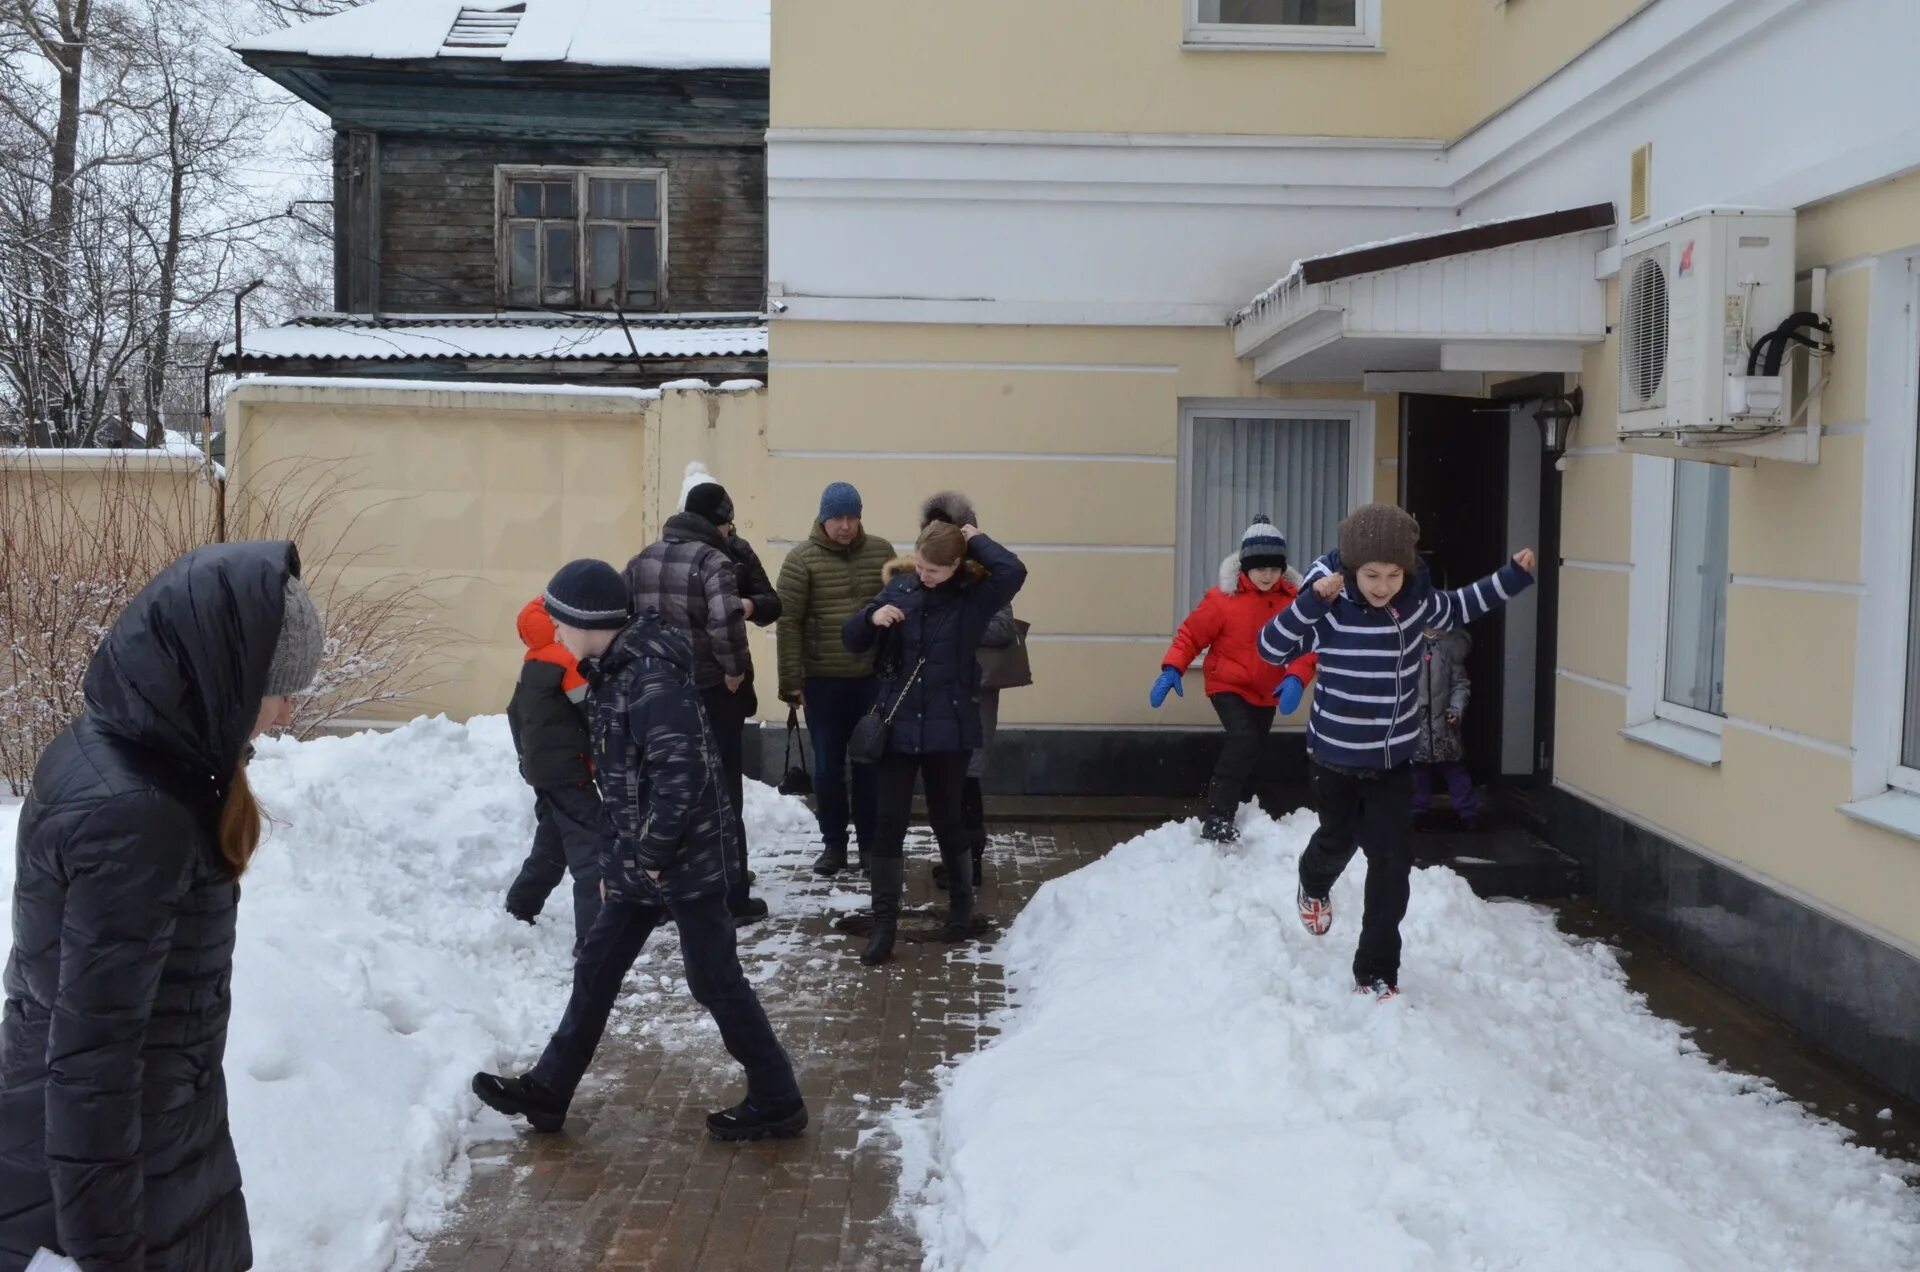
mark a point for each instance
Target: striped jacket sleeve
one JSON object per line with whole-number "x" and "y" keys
{"x": 1475, "y": 601}
{"x": 1295, "y": 630}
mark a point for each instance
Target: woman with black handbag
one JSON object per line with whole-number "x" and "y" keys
{"x": 927, "y": 625}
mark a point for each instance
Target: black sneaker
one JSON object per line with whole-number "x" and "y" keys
{"x": 746, "y": 1121}
{"x": 521, "y": 1097}
{"x": 1220, "y": 830}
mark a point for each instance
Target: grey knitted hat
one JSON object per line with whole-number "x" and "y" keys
{"x": 296, "y": 658}
{"x": 1382, "y": 533}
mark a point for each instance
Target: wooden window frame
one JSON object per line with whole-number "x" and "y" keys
{"x": 504, "y": 175}
{"x": 1362, "y": 37}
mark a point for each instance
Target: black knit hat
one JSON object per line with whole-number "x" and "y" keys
{"x": 709, "y": 500}
{"x": 588, "y": 595}
{"x": 1380, "y": 533}
{"x": 1263, "y": 545}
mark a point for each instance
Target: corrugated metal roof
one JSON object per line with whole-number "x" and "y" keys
{"x": 535, "y": 337}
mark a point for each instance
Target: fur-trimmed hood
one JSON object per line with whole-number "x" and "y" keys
{"x": 899, "y": 567}
{"x": 1231, "y": 573}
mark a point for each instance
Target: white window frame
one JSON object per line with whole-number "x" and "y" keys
{"x": 1362, "y": 36}
{"x": 504, "y": 175}
{"x": 1359, "y": 416}
{"x": 1684, "y": 731}
{"x": 1889, "y": 504}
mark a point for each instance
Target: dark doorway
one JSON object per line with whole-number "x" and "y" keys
{"x": 1453, "y": 465}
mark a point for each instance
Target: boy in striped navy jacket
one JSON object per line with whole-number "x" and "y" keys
{"x": 1367, "y": 626}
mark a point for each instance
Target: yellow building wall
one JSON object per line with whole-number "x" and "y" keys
{"x": 1771, "y": 805}
{"x": 1065, "y": 438}
{"x": 474, "y": 497}
{"x": 1119, "y": 67}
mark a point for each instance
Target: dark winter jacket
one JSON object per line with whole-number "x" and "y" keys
{"x": 822, "y": 585}
{"x": 548, "y": 714}
{"x": 114, "y": 1146}
{"x": 1226, "y": 627}
{"x": 940, "y": 710}
{"x": 658, "y": 768}
{"x": 1444, "y": 689}
{"x": 689, "y": 579}
{"x": 1366, "y": 708}
{"x": 750, "y": 578}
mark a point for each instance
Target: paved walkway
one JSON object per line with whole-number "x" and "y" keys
{"x": 634, "y": 1182}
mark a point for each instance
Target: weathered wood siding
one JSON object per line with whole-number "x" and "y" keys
{"x": 437, "y": 226}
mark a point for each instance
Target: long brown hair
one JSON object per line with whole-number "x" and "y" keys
{"x": 239, "y": 832}
{"x": 942, "y": 544}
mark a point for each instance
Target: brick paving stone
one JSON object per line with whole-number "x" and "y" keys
{"x": 634, "y": 1182}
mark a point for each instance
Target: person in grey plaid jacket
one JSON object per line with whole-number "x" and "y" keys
{"x": 664, "y": 792}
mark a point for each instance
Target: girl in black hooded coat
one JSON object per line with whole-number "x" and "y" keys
{"x": 114, "y": 1148}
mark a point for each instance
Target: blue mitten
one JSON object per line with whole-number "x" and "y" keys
{"x": 1292, "y": 689}
{"x": 1169, "y": 679}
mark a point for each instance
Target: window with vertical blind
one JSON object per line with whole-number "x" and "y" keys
{"x": 1298, "y": 466}
{"x": 1697, "y": 589}
{"x": 587, "y": 238}
{"x": 1283, "y": 23}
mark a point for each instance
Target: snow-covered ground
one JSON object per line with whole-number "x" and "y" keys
{"x": 376, "y": 970}
{"x": 1185, "y": 1079}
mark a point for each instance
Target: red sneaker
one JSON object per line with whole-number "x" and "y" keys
{"x": 1316, "y": 913}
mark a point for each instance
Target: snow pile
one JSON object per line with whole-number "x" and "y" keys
{"x": 1187, "y": 1080}
{"x": 377, "y": 970}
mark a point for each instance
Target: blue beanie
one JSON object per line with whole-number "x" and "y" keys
{"x": 839, "y": 500}
{"x": 589, "y": 595}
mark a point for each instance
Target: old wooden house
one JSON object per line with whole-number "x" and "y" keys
{"x": 541, "y": 191}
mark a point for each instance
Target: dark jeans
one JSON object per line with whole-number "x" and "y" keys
{"x": 568, "y": 835}
{"x": 944, "y": 774}
{"x": 833, "y": 707}
{"x": 726, "y": 716}
{"x": 1460, "y": 792}
{"x": 1373, "y": 810}
{"x": 714, "y": 979}
{"x": 1247, "y": 728}
{"x": 973, "y": 813}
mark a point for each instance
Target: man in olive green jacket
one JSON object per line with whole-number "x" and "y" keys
{"x": 824, "y": 582}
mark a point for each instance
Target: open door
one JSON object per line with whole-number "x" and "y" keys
{"x": 1473, "y": 471}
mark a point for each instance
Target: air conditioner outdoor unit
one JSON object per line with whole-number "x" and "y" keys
{"x": 1697, "y": 294}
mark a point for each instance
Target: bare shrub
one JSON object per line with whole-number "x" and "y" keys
{"x": 76, "y": 546}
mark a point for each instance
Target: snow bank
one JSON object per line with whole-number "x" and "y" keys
{"x": 376, "y": 971}
{"x": 1187, "y": 1080}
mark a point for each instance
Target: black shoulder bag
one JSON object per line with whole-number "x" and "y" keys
{"x": 873, "y": 730}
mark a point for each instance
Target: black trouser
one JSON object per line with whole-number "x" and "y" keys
{"x": 1247, "y": 728}
{"x": 833, "y": 708}
{"x": 1371, "y": 808}
{"x": 714, "y": 979}
{"x": 973, "y": 813}
{"x": 944, "y": 774}
{"x": 568, "y": 834}
{"x": 728, "y": 721}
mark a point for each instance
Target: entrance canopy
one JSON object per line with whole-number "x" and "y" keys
{"x": 1506, "y": 296}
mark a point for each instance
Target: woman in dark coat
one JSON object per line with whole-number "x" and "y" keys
{"x": 114, "y": 1149}
{"x": 927, "y": 625}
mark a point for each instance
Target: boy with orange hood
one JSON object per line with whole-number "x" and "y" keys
{"x": 548, "y": 718}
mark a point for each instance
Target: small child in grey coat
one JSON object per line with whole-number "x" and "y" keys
{"x": 1441, "y": 751}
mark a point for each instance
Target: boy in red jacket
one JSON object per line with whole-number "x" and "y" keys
{"x": 1256, "y": 586}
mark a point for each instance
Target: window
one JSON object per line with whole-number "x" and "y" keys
{"x": 1910, "y": 721}
{"x": 1300, "y": 466}
{"x": 590, "y": 238}
{"x": 1697, "y": 590}
{"x": 1283, "y": 24}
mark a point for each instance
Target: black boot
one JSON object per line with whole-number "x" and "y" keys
{"x": 831, "y": 861}
{"x": 1220, "y": 829}
{"x": 979, "y": 850}
{"x": 888, "y": 873}
{"x": 959, "y": 895}
{"x": 748, "y": 1121}
{"x": 521, "y": 1097}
